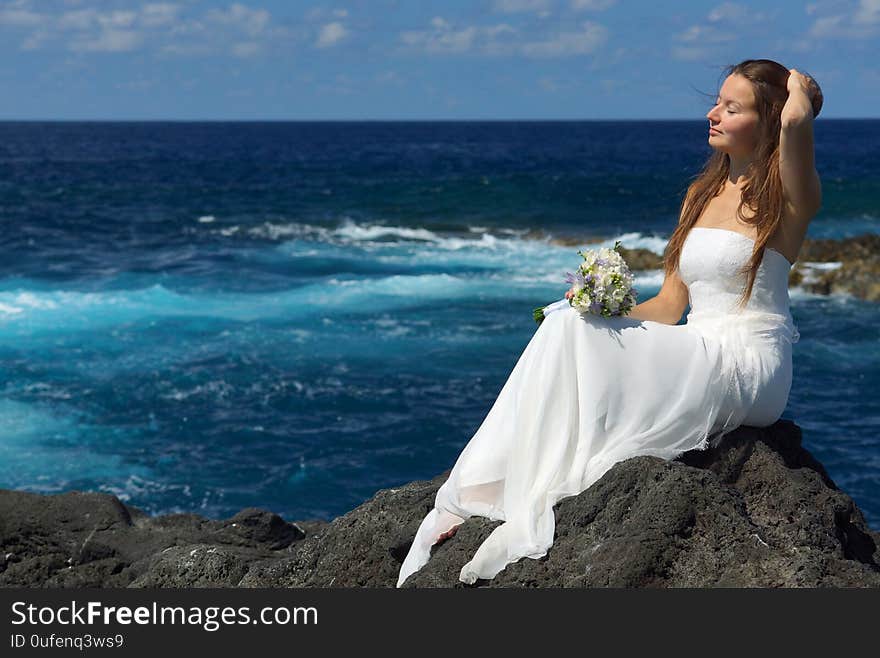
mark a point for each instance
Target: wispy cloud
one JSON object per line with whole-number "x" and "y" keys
{"x": 443, "y": 37}
{"x": 318, "y": 14}
{"x": 723, "y": 25}
{"x": 704, "y": 34}
{"x": 504, "y": 39}
{"x": 587, "y": 40}
{"x": 728, "y": 11}
{"x": 331, "y": 34}
{"x": 92, "y": 27}
{"x": 159, "y": 14}
{"x": 246, "y": 49}
{"x": 19, "y": 15}
{"x": 252, "y": 21}
{"x": 859, "y": 22}
{"x": 519, "y": 6}
{"x": 108, "y": 41}
{"x": 592, "y": 5}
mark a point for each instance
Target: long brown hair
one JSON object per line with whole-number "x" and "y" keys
{"x": 762, "y": 192}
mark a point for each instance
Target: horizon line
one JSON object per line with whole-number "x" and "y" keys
{"x": 431, "y": 120}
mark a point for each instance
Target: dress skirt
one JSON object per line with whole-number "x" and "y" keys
{"x": 588, "y": 392}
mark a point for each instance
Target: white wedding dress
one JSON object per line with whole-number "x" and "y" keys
{"x": 588, "y": 392}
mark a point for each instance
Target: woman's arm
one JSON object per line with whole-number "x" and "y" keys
{"x": 669, "y": 304}
{"x": 656, "y": 309}
{"x": 801, "y": 188}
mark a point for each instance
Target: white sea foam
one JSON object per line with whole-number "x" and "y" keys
{"x": 423, "y": 266}
{"x": 832, "y": 265}
{"x": 811, "y": 271}
{"x": 382, "y": 239}
{"x": 355, "y": 231}
{"x": 797, "y": 293}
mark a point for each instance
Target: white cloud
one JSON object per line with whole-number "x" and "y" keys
{"x": 518, "y": 6}
{"x": 704, "y": 34}
{"x": 199, "y": 48}
{"x": 828, "y": 26}
{"x": 80, "y": 19}
{"x": 827, "y": 7}
{"x": 88, "y": 26}
{"x": 322, "y": 14}
{"x": 159, "y": 14}
{"x": 722, "y": 25}
{"x": 20, "y": 17}
{"x": 734, "y": 13}
{"x": 701, "y": 41}
{"x": 503, "y": 39}
{"x": 331, "y": 34}
{"x": 861, "y": 22}
{"x": 592, "y": 5}
{"x": 115, "y": 19}
{"x": 727, "y": 11}
{"x": 252, "y": 21}
{"x": 109, "y": 41}
{"x": 442, "y": 39}
{"x": 868, "y": 13}
{"x": 246, "y": 49}
{"x": 588, "y": 39}
{"x": 501, "y": 28}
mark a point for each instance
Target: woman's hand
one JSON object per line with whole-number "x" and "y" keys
{"x": 797, "y": 81}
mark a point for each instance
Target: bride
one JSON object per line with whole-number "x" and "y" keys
{"x": 588, "y": 391}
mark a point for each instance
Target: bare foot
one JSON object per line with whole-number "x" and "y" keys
{"x": 446, "y": 535}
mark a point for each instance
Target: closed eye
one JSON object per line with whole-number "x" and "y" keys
{"x": 719, "y": 101}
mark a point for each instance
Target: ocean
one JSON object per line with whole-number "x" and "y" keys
{"x": 202, "y": 317}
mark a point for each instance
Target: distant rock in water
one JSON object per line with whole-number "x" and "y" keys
{"x": 855, "y": 271}
{"x": 756, "y": 511}
{"x": 641, "y": 259}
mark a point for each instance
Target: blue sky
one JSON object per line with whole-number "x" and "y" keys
{"x": 391, "y": 59}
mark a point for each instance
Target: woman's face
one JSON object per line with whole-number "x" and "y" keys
{"x": 735, "y": 118}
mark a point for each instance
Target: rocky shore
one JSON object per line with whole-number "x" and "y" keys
{"x": 849, "y": 266}
{"x": 756, "y": 511}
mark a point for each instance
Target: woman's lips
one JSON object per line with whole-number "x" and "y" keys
{"x": 712, "y": 131}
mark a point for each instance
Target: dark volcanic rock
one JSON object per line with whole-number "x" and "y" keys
{"x": 81, "y": 539}
{"x": 756, "y": 511}
{"x": 858, "y": 274}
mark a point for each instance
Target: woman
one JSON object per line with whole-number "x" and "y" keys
{"x": 588, "y": 392}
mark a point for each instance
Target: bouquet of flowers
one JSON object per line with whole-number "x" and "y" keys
{"x": 602, "y": 285}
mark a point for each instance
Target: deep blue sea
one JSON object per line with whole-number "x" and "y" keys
{"x": 201, "y": 317}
